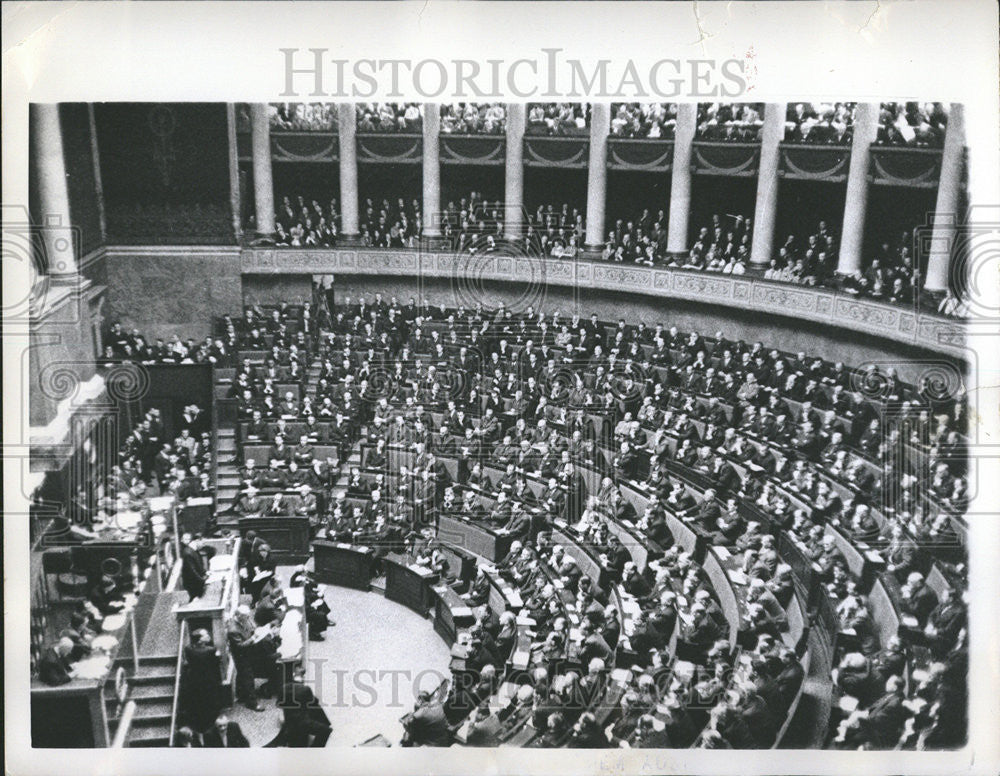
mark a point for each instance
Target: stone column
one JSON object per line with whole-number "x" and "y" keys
{"x": 263, "y": 182}
{"x": 95, "y": 155}
{"x": 948, "y": 202}
{"x": 53, "y": 194}
{"x": 597, "y": 175}
{"x": 856, "y": 204}
{"x": 766, "y": 207}
{"x": 347, "y": 124}
{"x": 235, "y": 203}
{"x": 680, "y": 179}
{"x": 514, "y": 172}
{"x": 432, "y": 170}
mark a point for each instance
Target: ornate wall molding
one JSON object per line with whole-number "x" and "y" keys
{"x": 845, "y": 311}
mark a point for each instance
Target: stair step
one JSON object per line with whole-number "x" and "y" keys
{"x": 170, "y": 660}
{"x": 227, "y": 432}
{"x": 150, "y": 736}
{"x": 378, "y": 584}
{"x": 149, "y": 711}
{"x": 149, "y": 674}
{"x": 151, "y": 692}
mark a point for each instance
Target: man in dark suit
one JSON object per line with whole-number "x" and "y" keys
{"x": 54, "y": 667}
{"x": 193, "y": 571}
{"x": 225, "y": 734}
{"x": 305, "y": 724}
{"x": 427, "y": 725}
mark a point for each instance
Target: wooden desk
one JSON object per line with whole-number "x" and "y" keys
{"x": 474, "y": 537}
{"x": 451, "y": 613}
{"x": 408, "y": 585}
{"x": 342, "y": 564}
{"x": 288, "y": 536}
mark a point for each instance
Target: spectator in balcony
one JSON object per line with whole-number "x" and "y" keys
{"x": 640, "y": 120}
{"x": 820, "y": 123}
{"x": 912, "y": 124}
{"x": 731, "y": 122}
{"x": 303, "y": 117}
{"x": 563, "y": 118}
{"x": 389, "y": 117}
{"x": 471, "y": 118}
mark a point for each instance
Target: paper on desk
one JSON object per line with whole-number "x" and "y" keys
{"x": 520, "y": 659}
{"x": 127, "y": 520}
{"x": 291, "y": 635}
{"x": 104, "y": 642}
{"x": 220, "y": 563}
{"x": 113, "y": 622}
{"x": 93, "y": 667}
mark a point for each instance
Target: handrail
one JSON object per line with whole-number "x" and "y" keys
{"x": 177, "y": 679}
{"x": 135, "y": 642}
{"x": 124, "y": 726}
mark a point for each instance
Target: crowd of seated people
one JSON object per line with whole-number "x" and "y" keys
{"x": 476, "y": 225}
{"x": 390, "y": 224}
{"x": 471, "y": 118}
{"x": 558, "y": 118}
{"x": 556, "y": 230}
{"x": 785, "y": 444}
{"x": 827, "y": 123}
{"x": 890, "y": 274}
{"x": 730, "y": 121}
{"x": 121, "y": 345}
{"x": 389, "y": 117}
{"x": 643, "y": 119}
{"x": 918, "y": 124}
{"x": 811, "y": 262}
{"x": 723, "y": 245}
{"x": 301, "y": 223}
{"x": 303, "y": 116}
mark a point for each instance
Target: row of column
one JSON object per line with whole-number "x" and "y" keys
{"x": 765, "y": 210}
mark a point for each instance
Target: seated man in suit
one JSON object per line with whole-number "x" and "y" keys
{"x": 302, "y": 453}
{"x": 225, "y": 734}
{"x": 249, "y": 504}
{"x": 106, "y": 596}
{"x": 427, "y": 725}
{"x": 917, "y": 598}
{"x": 54, "y": 667}
{"x": 256, "y": 428}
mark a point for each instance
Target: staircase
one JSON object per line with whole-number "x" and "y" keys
{"x": 152, "y": 686}
{"x": 152, "y": 689}
{"x": 227, "y": 481}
